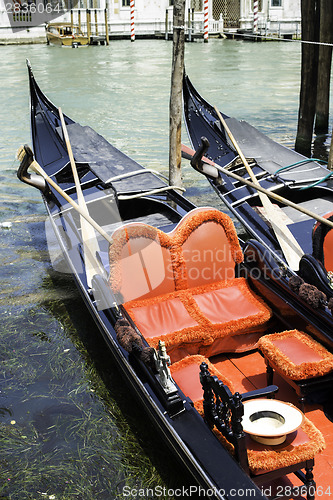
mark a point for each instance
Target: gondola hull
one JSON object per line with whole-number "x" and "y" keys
{"x": 117, "y": 195}
{"x": 278, "y": 169}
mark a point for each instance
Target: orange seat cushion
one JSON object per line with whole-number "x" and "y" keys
{"x": 186, "y": 375}
{"x": 172, "y": 318}
{"x": 207, "y": 251}
{"x": 200, "y": 315}
{"x": 296, "y": 355}
{"x": 228, "y": 301}
{"x": 299, "y": 446}
{"x": 163, "y": 317}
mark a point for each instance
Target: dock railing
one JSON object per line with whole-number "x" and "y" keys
{"x": 280, "y": 29}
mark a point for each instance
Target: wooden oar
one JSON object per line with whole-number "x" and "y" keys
{"x": 89, "y": 240}
{"x": 188, "y": 153}
{"x": 288, "y": 243}
{"x": 22, "y": 153}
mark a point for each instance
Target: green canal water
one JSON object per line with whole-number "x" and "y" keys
{"x": 69, "y": 429}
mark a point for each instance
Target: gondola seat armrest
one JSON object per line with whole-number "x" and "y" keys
{"x": 259, "y": 393}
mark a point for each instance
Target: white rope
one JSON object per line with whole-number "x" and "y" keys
{"x": 280, "y": 39}
{"x": 148, "y": 193}
{"x": 135, "y": 172}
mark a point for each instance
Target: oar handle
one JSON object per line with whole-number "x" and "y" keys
{"x": 238, "y": 149}
{"x": 190, "y": 153}
{"x": 23, "y": 174}
{"x": 80, "y": 196}
{"x": 37, "y": 168}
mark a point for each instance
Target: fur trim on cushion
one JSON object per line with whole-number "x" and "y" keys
{"x": 202, "y": 216}
{"x": 173, "y": 242}
{"x": 223, "y": 440}
{"x": 206, "y": 331}
{"x": 301, "y": 371}
{"x": 276, "y": 457}
{"x": 263, "y": 458}
{"x": 201, "y": 333}
{"x": 239, "y": 325}
{"x": 197, "y": 359}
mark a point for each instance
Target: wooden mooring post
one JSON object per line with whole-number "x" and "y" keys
{"x": 175, "y": 158}
{"x": 324, "y": 67}
{"x": 106, "y": 26}
{"x": 96, "y": 23}
{"x": 98, "y": 37}
{"x": 309, "y": 74}
{"x": 330, "y": 156}
{"x": 88, "y": 25}
{"x": 166, "y": 24}
{"x": 189, "y": 25}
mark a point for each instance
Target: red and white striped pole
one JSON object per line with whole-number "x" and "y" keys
{"x": 255, "y": 16}
{"x": 206, "y": 21}
{"x": 132, "y": 21}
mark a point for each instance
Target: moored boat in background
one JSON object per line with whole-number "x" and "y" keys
{"x": 175, "y": 294}
{"x": 303, "y": 181}
{"x": 66, "y": 34}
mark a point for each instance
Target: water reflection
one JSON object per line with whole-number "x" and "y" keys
{"x": 77, "y": 431}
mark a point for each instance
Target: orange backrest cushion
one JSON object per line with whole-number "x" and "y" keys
{"x": 210, "y": 246}
{"x": 328, "y": 251}
{"x": 322, "y": 239}
{"x": 140, "y": 263}
{"x": 146, "y": 262}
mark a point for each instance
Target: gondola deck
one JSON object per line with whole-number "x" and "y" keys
{"x": 248, "y": 373}
{"x": 146, "y": 226}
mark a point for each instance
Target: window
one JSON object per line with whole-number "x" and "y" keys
{"x": 197, "y": 5}
{"x": 126, "y": 3}
{"x": 276, "y": 3}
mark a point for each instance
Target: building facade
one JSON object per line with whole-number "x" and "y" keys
{"x": 272, "y": 14}
{"x": 28, "y": 17}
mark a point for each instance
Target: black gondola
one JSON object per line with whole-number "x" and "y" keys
{"x": 278, "y": 169}
{"x": 170, "y": 286}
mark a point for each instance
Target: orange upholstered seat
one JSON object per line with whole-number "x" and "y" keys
{"x": 186, "y": 375}
{"x": 299, "y": 446}
{"x": 201, "y": 319}
{"x": 296, "y": 355}
{"x": 224, "y": 412}
{"x": 181, "y": 288}
{"x": 299, "y": 359}
{"x": 140, "y": 263}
